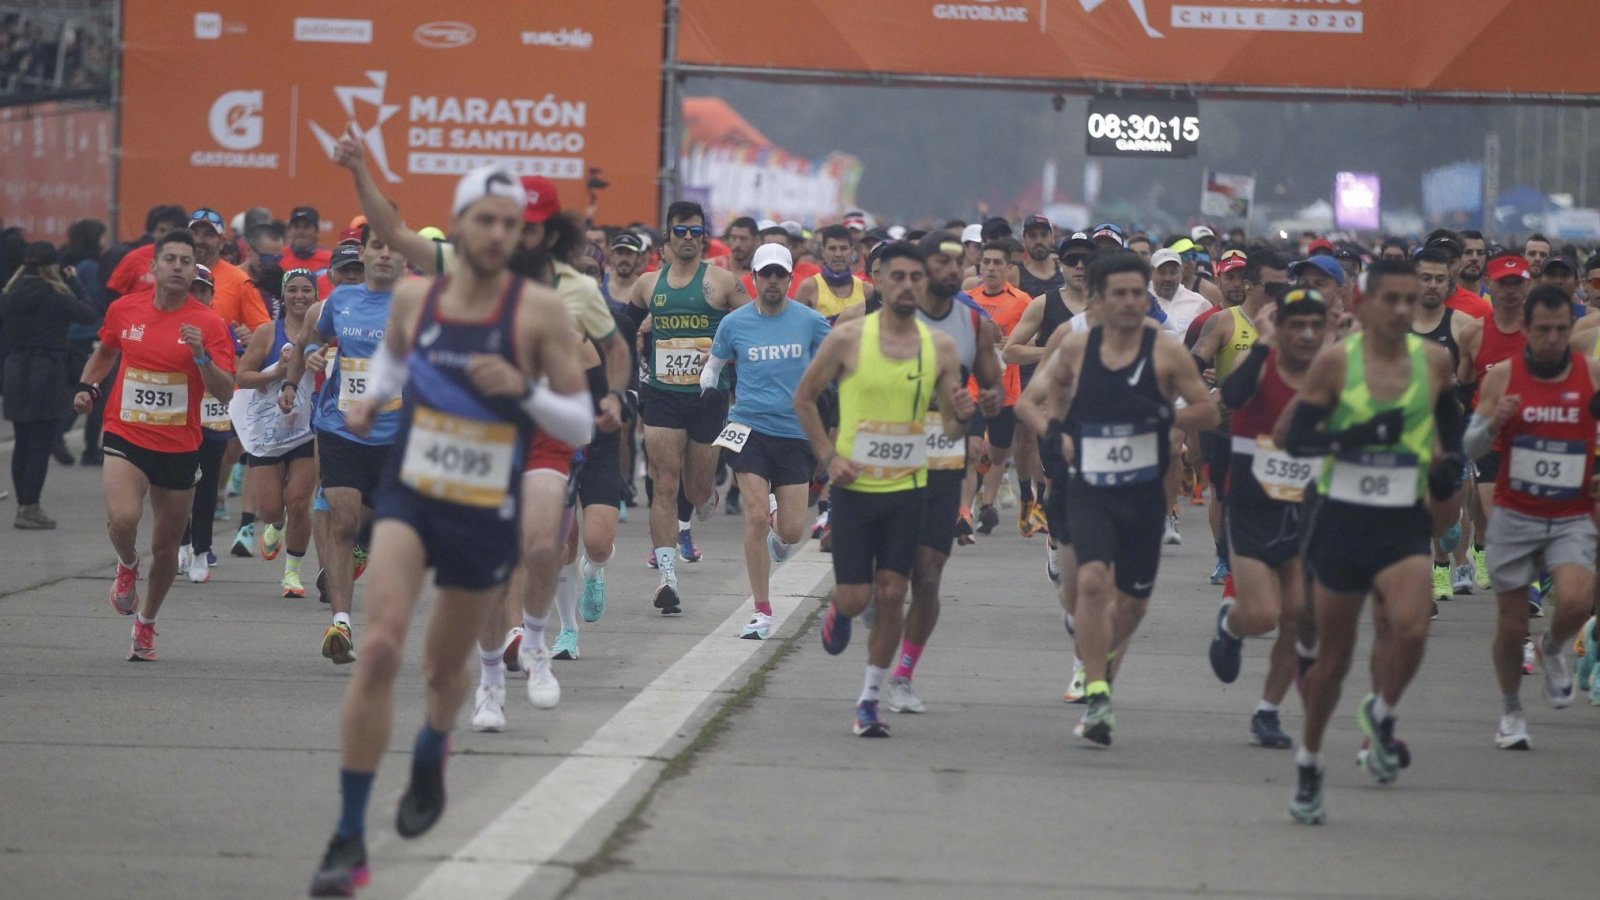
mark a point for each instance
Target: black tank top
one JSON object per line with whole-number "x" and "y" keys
{"x": 1443, "y": 335}
{"x": 1115, "y": 422}
{"x": 1056, "y": 314}
{"x": 1033, "y": 285}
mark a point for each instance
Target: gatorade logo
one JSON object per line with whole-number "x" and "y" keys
{"x": 236, "y": 120}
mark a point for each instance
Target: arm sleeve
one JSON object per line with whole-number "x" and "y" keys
{"x": 1239, "y": 387}
{"x": 712, "y": 372}
{"x": 1304, "y": 439}
{"x": 565, "y": 417}
{"x": 1478, "y": 440}
{"x": 1448, "y": 422}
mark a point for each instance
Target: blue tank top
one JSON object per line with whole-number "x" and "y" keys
{"x": 356, "y": 318}
{"x": 457, "y": 446}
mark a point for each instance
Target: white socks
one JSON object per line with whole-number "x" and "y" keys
{"x": 341, "y": 619}
{"x": 567, "y": 596}
{"x": 532, "y": 628}
{"x": 1304, "y": 757}
{"x": 491, "y": 668}
{"x": 873, "y": 681}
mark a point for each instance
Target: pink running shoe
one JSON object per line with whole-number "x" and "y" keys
{"x": 144, "y": 643}
{"x": 125, "y": 589}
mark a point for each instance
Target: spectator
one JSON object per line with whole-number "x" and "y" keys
{"x": 303, "y": 252}
{"x": 38, "y": 306}
{"x": 126, "y": 267}
{"x": 86, "y": 245}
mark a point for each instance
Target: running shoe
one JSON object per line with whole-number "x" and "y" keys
{"x": 964, "y": 530}
{"x": 1535, "y": 603}
{"x": 1381, "y": 757}
{"x": 759, "y": 628}
{"x": 566, "y": 646}
{"x": 1529, "y": 656}
{"x": 1052, "y": 563}
{"x": 143, "y": 648}
{"x": 835, "y": 632}
{"x": 220, "y": 514}
{"x": 826, "y": 544}
{"x": 211, "y": 559}
{"x": 243, "y": 540}
{"x": 1442, "y": 589}
{"x": 291, "y": 584}
{"x": 544, "y": 692}
{"x": 869, "y": 616}
{"x": 1075, "y": 688}
{"x": 423, "y": 802}
{"x": 1220, "y": 573}
{"x": 489, "y": 708}
{"x": 1557, "y": 673}
{"x": 1170, "y": 534}
{"x": 1306, "y": 807}
{"x": 358, "y": 553}
{"x": 1480, "y": 568}
{"x": 903, "y": 699}
{"x": 687, "y": 551}
{"x": 185, "y": 556}
{"x": 777, "y": 550}
{"x": 322, "y": 584}
{"x": 867, "y": 722}
{"x": 622, "y": 513}
{"x": 988, "y": 518}
{"x": 650, "y": 559}
{"x": 236, "y": 480}
{"x": 1097, "y": 722}
{"x": 343, "y": 868}
{"x": 1006, "y": 497}
{"x": 124, "y": 594}
{"x": 199, "y": 570}
{"x": 511, "y": 655}
{"x": 820, "y": 526}
{"x": 704, "y": 510}
{"x": 1025, "y": 521}
{"x": 1451, "y": 538}
{"x": 1226, "y": 650}
{"x": 592, "y": 605}
{"x": 1585, "y": 651}
{"x": 1513, "y": 733}
{"x": 1267, "y": 731}
{"x": 1463, "y": 582}
{"x": 1041, "y": 522}
{"x": 338, "y": 644}
{"x": 732, "y": 507}
{"x": 1433, "y": 609}
{"x": 271, "y": 542}
{"x": 1197, "y": 494}
{"x": 667, "y": 599}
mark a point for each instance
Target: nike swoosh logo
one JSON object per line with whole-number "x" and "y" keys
{"x": 1143, "y": 587}
{"x": 1133, "y": 380}
{"x": 913, "y": 376}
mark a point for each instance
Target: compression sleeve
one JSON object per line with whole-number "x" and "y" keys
{"x": 569, "y": 418}
{"x": 1239, "y": 387}
{"x": 386, "y": 374}
{"x": 711, "y": 372}
{"x": 1304, "y": 439}
{"x": 1447, "y": 422}
{"x": 1478, "y": 440}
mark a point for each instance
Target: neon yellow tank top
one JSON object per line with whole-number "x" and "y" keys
{"x": 1356, "y": 404}
{"x": 831, "y": 306}
{"x": 1244, "y": 337}
{"x": 882, "y": 405}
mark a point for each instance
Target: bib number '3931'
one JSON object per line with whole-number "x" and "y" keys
{"x": 889, "y": 450}
{"x": 459, "y": 460}
{"x": 353, "y": 383}
{"x": 1386, "y": 480}
{"x": 733, "y": 437}
{"x": 154, "y": 398}
{"x": 945, "y": 454}
{"x": 1113, "y": 455}
{"x": 678, "y": 360}
{"x": 1281, "y": 476}
{"x": 1546, "y": 468}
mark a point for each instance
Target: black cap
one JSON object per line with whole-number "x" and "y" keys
{"x": 627, "y": 240}
{"x": 344, "y": 255}
{"x": 877, "y": 234}
{"x": 305, "y": 212}
{"x": 1445, "y": 241}
{"x": 1076, "y": 241}
{"x": 995, "y": 227}
{"x": 1560, "y": 262}
{"x": 1037, "y": 221}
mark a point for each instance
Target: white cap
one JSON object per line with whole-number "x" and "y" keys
{"x": 487, "y": 181}
{"x": 897, "y": 232}
{"x": 972, "y": 234}
{"x": 764, "y": 224}
{"x": 772, "y": 255}
{"x": 237, "y": 224}
{"x": 1163, "y": 256}
{"x": 1200, "y": 231}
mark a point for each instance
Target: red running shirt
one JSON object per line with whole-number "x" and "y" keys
{"x": 155, "y": 398}
{"x": 1547, "y": 448}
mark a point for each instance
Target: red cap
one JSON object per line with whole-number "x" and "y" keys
{"x": 1321, "y": 244}
{"x": 1231, "y": 263}
{"x": 350, "y": 236}
{"x": 543, "y": 201}
{"x": 1507, "y": 267}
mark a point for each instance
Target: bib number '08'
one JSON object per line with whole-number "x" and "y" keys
{"x": 1387, "y": 480}
{"x": 1547, "y": 469}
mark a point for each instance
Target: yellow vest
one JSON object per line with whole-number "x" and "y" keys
{"x": 882, "y": 405}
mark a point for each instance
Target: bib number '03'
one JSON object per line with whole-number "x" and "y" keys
{"x": 678, "y": 360}
{"x": 1547, "y": 468}
{"x": 889, "y": 450}
{"x": 1386, "y": 480}
{"x": 945, "y": 454}
{"x": 733, "y": 437}
{"x": 459, "y": 460}
{"x": 1281, "y": 476}
{"x": 154, "y": 398}
{"x": 1113, "y": 455}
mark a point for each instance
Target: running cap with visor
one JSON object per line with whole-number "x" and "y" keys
{"x": 772, "y": 255}
{"x": 487, "y": 181}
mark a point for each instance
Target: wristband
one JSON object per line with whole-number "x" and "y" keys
{"x": 93, "y": 390}
{"x": 203, "y": 360}
{"x": 289, "y": 384}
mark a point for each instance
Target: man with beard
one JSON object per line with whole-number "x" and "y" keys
{"x": 1180, "y": 304}
{"x": 835, "y": 288}
{"x": 1441, "y": 324}
{"x": 1464, "y": 298}
{"x": 303, "y": 252}
{"x": 742, "y": 242}
{"x": 624, "y": 264}
{"x": 1039, "y": 272}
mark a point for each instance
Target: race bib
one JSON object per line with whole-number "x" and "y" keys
{"x": 1386, "y": 480}
{"x": 353, "y": 383}
{"x": 459, "y": 460}
{"x": 943, "y": 453}
{"x": 214, "y": 414}
{"x": 1281, "y": 476}
{"x": 1546, "y": 468}
{"x": 889, "y": 450}
{"x": 154, "y": 398}
{"x": 678, "y": 360}
{"x": 733, "y": 437}
{"x": 1119, "y": 454}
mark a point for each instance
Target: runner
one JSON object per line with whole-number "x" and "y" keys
{"x": 686, "y": 301}
{"x": 1004, "y": 304}
{"x": 167, "y": 349}
{"x": 1040, "y": 273}
{"x": 487, "y": 356}
{"x": 282, "y": 455}
{"x": 889, "y": 367}
{"x": 1114, "y": 428}
{"x": 195, "y": 553}
{"x": 1372, "y": 406}
{"x": 770, "y": 343}
{"x": 350, "y": 464}
{"x": 836, "y": 288}
{"x": 1536, "y": 411}
{"x": 1444, "y": 325}
{"x": 742, "y": 240}
{"x": 1262, "y": 504}
{"x": 1536, "y": 249}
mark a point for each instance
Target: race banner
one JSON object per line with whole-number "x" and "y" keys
{"x": 1333, "y": 45}
{"x": 57, "y": 167}
{"x": 232, "y": 104}
{"x": 1227, "y": 195}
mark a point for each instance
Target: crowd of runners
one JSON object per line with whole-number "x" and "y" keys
{"x": 1406, "y": 422}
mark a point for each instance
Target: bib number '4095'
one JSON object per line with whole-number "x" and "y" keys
{"x": 459, "y": 460}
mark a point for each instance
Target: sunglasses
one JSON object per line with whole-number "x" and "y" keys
{"x": 773, "y": 272}
{"x": 210, "y": 216}
{"x": 270, "y": 259}
{"x": 1074, "y": 260}
{"x": 1277, "y": 289}
{"x": 683, "y": 231}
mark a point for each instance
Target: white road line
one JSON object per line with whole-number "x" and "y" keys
{"x": 509, "y": 851}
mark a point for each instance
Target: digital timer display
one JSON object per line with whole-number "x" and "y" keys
{"x": 1129, "y": 127}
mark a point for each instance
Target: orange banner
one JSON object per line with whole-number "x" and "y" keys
{"x": 234, "y": 104}
{"x": 1478, "y": 46}
{"x": 57, "y": 168}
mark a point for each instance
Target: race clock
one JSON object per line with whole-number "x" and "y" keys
{"x": 1121, "y": 126}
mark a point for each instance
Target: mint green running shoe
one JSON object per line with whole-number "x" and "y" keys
{"x": 566, "y": 645}
{"x": 592, "y": 605}
{"x": 1379, "y": 757}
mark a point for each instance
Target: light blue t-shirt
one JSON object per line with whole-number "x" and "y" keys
{"x": 356, "y": 318}
{"x": 769, "y": 354}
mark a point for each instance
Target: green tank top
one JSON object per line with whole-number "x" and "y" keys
{"x": 1414, "y": 449}
{"x": 682, "y": 325}
{"x": 882, "y": 405}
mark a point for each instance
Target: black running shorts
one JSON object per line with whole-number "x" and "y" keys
{"x": 1121, "y": 527}
{"x": 873, "y": 532}
{"x": 168, "y": 471}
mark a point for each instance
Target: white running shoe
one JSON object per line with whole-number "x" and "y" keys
{"x": 902, "y": 699}
{"x": 1557, "y": 673}
{"x": 704, "y": 510}
{"x": 1052, "y": 562}
{"x": 1463, "y": 582}
{"x": 199, "y": 568}
{"x": 544, "y": 692}
{"x": 1171, "y": 535}
{"x": 185, "y": 555}
{"x": 1006, "y": 497}
{"x": 758, "y": 629}
{"x": 489, "y": 712}
{"x": 1529, "y": 656}
{"x": 1513, "y": 733}
{"x": 777, "y": 550}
